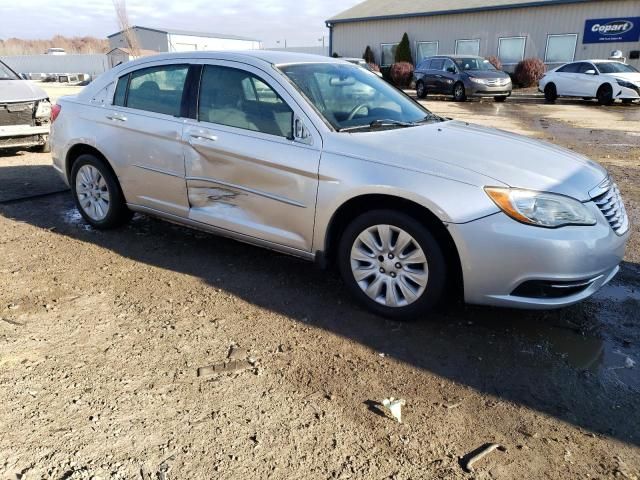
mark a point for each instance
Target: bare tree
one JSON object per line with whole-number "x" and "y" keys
{"x": 125, "y": 26}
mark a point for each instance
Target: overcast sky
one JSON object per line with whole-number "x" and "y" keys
{"x": 300, "y": 22}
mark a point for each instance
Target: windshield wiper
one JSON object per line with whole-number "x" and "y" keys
{"x": 432, "y": 117}
{"x": 379, "y": 123}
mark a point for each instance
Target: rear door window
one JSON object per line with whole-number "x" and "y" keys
{"x": 157, "y": 89}
{"x": 237, "y": 98}
{"x": 437, "y": 64}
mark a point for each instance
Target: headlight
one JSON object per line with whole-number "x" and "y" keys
{"x": 626, "y": 84}
{"x": 540, "y": 208}
{"x": 44, "y": 109}
{"x": 477, "y": 80}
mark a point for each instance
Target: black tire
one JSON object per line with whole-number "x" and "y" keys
{"x": 550, "y": 93}
{"x": 117, "y": 211}
{"x": 421, "y": 89}
{"x": 459, "y": 93}
{"x": 437, "y": 267}
{"x": 605, "y": 94}
{"x": 627, "y": 101}
{"x": 499, "y": 99}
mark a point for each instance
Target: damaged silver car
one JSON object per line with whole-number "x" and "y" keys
{"x": 25, "y": 112}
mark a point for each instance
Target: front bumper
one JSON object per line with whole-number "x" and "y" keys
{"x": 23, "y": 135}
{"x": 480, "y": 90}
{"x": 624, "y": 93}
{"x": 499, "y": 255}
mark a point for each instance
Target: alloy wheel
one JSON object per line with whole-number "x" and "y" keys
{"x": 389, "y": 265}
{"x": 92, "y": 192}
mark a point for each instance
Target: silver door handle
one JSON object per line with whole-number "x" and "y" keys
{"x": 115, "y": 116}
{"x": 204, "y": 136}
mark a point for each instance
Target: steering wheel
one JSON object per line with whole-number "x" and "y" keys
{"x": 355, "y": 110}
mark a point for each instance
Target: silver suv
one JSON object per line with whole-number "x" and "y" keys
{"x": 321, "y": 159}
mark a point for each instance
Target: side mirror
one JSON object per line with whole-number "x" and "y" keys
{"x": 590, "y": 72}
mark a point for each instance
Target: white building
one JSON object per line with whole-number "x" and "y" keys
{"x": 556, "y": 31}
{"x": 169, "y": 40}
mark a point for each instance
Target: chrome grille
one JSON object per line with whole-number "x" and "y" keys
{"x": 612, "y": 207}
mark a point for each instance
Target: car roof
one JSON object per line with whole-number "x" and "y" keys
{"x": 273, "y": 57}
{"x": 597, "y": 60}
{"x": 256, "y": 58}
{"x": 453, "y": 56}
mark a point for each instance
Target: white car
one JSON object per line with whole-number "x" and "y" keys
{"x": 604, "y": 80}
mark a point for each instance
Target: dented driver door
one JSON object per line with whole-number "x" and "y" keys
{"x": 245, "y": 172}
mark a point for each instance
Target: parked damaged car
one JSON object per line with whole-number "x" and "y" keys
{"x": 25, "y": 112}
{"x": 321, "y": 159}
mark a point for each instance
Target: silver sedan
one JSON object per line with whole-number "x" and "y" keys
{"x": 321, "y": 159}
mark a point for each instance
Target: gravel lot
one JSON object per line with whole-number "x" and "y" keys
{"x": 102, "y": 335}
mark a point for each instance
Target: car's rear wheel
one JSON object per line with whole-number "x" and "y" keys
{"x": 459, "y": 93}
{"x": 392, "y": 264}
{"x": 500, "y": 99}
{"x": 97, "y": 193}
{"x": 627, "y": 101}
{"x": 605, "y": 94}
{"x": 550, "y": 93}
{"x": 421, "y": 90}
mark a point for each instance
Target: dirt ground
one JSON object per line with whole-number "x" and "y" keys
{"x": 102, "y": 335}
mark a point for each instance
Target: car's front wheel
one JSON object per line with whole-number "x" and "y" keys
{"x": 605, "y": 95}
{"x": 392, "y": 264}
{"x": 97, "y": 193}
{"x": 459, "y": 92}
{"x": 421, "y": 90}
{"x": 500, "y": 99}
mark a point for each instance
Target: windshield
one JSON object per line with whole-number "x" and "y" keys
{"x": 6, "y": 73}
{"x": 350, "y": 97}
{"x": 615, "y": 67}
{"x": 473, "y": 63}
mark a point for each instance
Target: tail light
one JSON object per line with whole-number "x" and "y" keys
{"x": 55, "y": 111}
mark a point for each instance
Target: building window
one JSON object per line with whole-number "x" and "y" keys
{"x": 511, "y": 50}
{"x": 561, "y": 48}
{"x": 468, "y": 47}
{"x": 388, "y": 53}
{"x": 425, "y": 49}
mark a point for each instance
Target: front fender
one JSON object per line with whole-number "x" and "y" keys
{"x": 342, "y": 180}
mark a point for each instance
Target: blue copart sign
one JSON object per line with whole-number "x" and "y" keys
{"x": 621, "y": 29}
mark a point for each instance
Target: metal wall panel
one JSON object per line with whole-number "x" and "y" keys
{"x": 147, "y": 40}
{"x": 350, "y": 39}
{"x": 91, "y": 64}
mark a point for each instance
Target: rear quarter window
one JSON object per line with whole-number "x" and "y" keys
{"x": 121, "y": 91}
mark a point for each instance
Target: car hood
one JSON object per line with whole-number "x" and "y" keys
{"x": 486, "y": 74}
{"x": 476, "y": 155}
{"x": 20, "y": 91}
{"x": 629, "y": 77}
